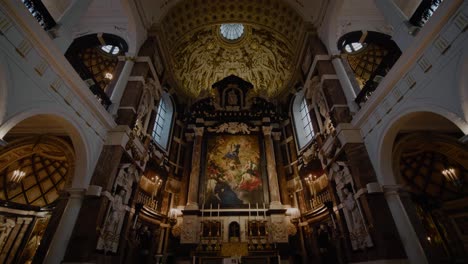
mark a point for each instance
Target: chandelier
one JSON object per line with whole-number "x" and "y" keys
{"x": 451, "y": 175}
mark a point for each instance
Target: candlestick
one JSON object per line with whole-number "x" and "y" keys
{"x": 249, "y": 213}
{"x": 211, "y": 209}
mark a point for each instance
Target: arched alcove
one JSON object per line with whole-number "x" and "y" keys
{"x": 421, "y": 153}
{"x": 43, "y": 154}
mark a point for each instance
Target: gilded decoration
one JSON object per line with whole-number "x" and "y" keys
{"x": 264, "y": 55}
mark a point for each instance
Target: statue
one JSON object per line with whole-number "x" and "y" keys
{"x": 110, "y": 234}
{"x": 232, "y": 98}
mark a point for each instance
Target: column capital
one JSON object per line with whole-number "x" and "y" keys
{"x": 189, "y": 136}
{"x": 198, "y": 131}
{"x": 276, "y": 136}
{"x": 267, "y": 130}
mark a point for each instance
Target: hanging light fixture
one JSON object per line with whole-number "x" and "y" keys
{"x": 451, "y": 175}
{"x": 16, "y": 176}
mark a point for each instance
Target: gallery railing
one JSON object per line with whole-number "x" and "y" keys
{"x": 319, "y": 200}
{"x": 88, "y": 78}
{"x": 377, "y": 76}
{"x": 424, "y": 11}
{"x": 145, "y": 199}
{"x": 40, "y": 13}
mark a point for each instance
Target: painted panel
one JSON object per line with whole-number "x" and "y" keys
{"x": 233, "y": 171}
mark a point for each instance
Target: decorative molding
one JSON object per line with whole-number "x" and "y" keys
{"x": 231, "y": 128}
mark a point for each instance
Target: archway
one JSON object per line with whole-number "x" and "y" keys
{"x": 37, "y": 166}
{"x": 430, "y": 164}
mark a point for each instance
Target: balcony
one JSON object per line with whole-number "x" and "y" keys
{"x": 40, "y": 13}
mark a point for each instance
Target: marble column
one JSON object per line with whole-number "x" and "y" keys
{"x": 121, "y": 84}
{"x": 409, "y": 238}
{"x": 280, "y": 168}
{"x": 62, "y": 235}
{"x": 348, "y": 89}
{"x": 397, "y": 19}
{"x": 186, "y": 174}
{"x": 275, "y": 202}
{"x": 72, "y": 16}
{"x": 192, "y": 202}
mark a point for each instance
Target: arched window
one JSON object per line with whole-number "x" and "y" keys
{"x": 302, "y": 121}
{"x": 163, "y": 122}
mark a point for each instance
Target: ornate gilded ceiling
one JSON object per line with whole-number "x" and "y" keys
{"x": 265, "y": 55}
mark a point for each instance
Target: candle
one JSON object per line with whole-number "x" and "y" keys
{"x": 257, "y": 212}
{"x": 264, "y": 211}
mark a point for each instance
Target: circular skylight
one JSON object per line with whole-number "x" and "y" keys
{"x": 231, "y": 31}
{"x": 353, "y": 47}
{"x": 110, "y": 49}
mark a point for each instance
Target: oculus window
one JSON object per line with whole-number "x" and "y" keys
{"x": 302, "y": 121}
{"x": 110, "y": 49}
{"x": 162, "y": 124}
{"x": 231, "y": 32}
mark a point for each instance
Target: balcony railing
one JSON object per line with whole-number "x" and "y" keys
{"x": 40, "y": 13}
{"x": 86, "y": 75}
{"x": 424, "y": 12}
{"x": 384, "y": 67}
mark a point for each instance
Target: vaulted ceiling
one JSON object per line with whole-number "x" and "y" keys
{"x": 266, "y": 54}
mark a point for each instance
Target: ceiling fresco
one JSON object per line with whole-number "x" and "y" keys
{"x": 265, "y": 55}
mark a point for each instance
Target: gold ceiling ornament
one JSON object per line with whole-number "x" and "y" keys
{"x": 189, "y": 15}
{"x": 265, "y": 54}
{"x": 34, "y": 169}
{"x": 261, "y": 57}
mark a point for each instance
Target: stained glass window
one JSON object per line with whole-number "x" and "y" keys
{"x": 232, "y": 31}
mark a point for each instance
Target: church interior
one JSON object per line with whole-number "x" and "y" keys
{"x": 241, "y": 131}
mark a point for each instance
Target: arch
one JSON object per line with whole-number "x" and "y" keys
{"x": 81, "y": 147}
{"x": 301, "y": 119}
{"x": 386, "y": 141}
{"x": 96, "y": 39}
{"x": 161, "y": 131}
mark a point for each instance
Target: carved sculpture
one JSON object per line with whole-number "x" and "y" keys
{"x": 358, "y": 232}
{"x": 110, "y": 232}
{"x": 232, "y": 128}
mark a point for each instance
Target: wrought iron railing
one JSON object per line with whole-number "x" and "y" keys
{"x": 384, "y": 67}
{"x": 424, "y": 11}
{"x": 40, "y": 13}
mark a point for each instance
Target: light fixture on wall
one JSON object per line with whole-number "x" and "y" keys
{"x": 451, "y": 175}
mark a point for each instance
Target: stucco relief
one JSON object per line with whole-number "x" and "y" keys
{"x": 263, "y": 58}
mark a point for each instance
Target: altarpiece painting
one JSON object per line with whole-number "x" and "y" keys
{"x": 233, "y": 171}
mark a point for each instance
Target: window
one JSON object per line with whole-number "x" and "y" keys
{"x": 353, "y": 47}
{"x": 231, "y": 31}
{"x": 110, "y": 49}
{"x": 302, "y": 121}
{"x": 306, "y": 123}
{"x": 162, "y": 124}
